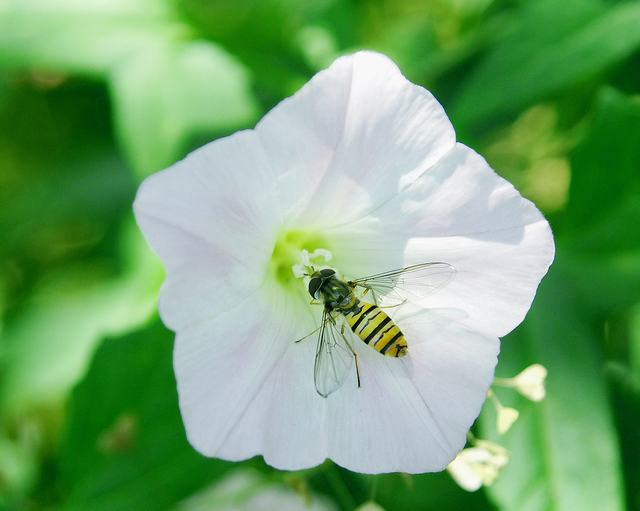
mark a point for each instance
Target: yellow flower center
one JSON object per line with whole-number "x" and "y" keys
{"x": 286, "y": 253}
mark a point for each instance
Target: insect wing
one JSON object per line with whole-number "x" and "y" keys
{"x": 416, "y": 280}
{"x": 334, "y": 355}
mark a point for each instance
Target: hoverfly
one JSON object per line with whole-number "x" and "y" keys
{"x": 348, "y": 316}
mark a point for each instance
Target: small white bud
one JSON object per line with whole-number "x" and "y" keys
{"x": 505, "y": 415}
{"x": 505, "y": 419}
{"x": 530, "y": 382}
{"x": 478, "y": 466}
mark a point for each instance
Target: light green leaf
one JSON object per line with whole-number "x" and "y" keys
{"x": 47, "y": 347}
{"x": 167, "y": 87}
{"x": 81, "y": 36}
{"x": 564, "y": 450}
{"x": 170, "y": 93}
{"x": 552, "y": 47}
{"x": 125, "y": 445}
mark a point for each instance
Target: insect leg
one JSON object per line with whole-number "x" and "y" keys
{"x": 355, "y": 356}
{"x": 392, "y": 306}
{"x": 308, "y": 335}
{"x": 373, "y": 295}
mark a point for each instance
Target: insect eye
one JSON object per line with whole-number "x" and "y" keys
{"x": 327, "y": 272}
{"x": 314, "y": 285}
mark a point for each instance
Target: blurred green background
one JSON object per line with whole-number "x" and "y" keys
{"x": 97, "y": 94}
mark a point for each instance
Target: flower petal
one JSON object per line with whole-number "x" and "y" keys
{"x": 211, "y": 218}
{"x": 222, "y": 364}
{"x": 412, "y": 414}
{"x": 351, "y": 137}
{"x": 409, "y": 415}
{"x": 462, "y": 213}
{"x": 287, "y": 420}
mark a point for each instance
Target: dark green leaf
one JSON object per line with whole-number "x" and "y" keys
{"x": 601, "y": 241}
{"x": 553, "y": 46}
{"x": 564, "y": 450}
{"x": 166, "y": 86}
{"x": 604, "y": 196}
{"x": 625, "y": 387}
{"x": 47, "y": 345}
{"x": 607, "y": 283}
{"x": 428, "y": 491}
{"x": 125, "y": 447}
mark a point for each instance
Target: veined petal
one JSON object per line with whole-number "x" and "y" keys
{"x": 211, "y": 218}
{"x": 412, "y": 414}
{"x": 400, "y": 419}
{"x": 462, "y": 213}
{"x": 223, "y": 364}
{"x": 287, "y": 420}
{"x": 351, "y": 137}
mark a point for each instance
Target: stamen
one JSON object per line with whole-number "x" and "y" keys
{"x": 294, "y": 252}
{"x": 311, "y": 262}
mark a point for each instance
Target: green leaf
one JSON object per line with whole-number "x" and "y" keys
{"x": 604, "y": 196}
{"x": 170, "y": 93}
{"x": 427, "y": 491}
{"x": 552, "y": 47}
{"x": 607, "y": 283}
{"x": 125, "y": 446}
{"x": 167, "y": 87}
{"x": 564, "y": 450}
{"x": 601, "y": 245}
{"x": 624, "y": 381}
{"x": 81, "y": 36}
{"x": 47, "y": 346}
{"x": 634, "y": 344}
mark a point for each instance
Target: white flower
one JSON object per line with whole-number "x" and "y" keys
{"x": 364, "y": 164}
{"x": 248, "y": 490}
{"x": 478, "y": 466}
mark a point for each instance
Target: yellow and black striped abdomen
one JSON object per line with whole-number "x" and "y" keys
{"x": 375, "y": 328}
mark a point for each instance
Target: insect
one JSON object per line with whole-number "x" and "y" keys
{"x": 348, "y": 316}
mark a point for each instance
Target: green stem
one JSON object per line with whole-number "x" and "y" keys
{"x": 374, "y": 488}
{"x": 340, "y": 489}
